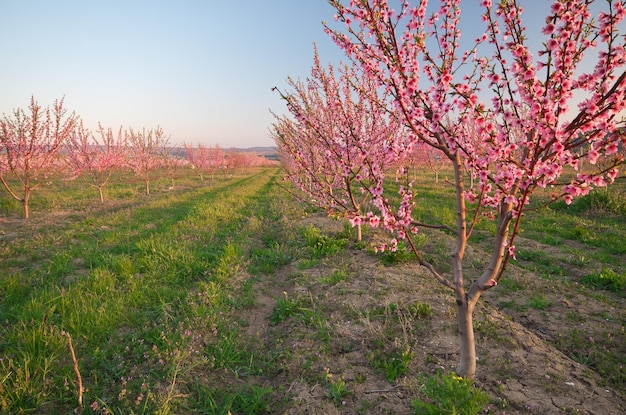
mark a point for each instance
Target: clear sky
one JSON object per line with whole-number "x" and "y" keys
{"x": 201, "y": 69}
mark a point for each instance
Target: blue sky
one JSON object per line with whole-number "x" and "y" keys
{"x": 202, "y": 70}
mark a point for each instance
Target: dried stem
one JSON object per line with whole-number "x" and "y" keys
{"x": 77, "y": 371}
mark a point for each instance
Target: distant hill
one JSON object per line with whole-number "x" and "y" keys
{"x": 268, "y": 152}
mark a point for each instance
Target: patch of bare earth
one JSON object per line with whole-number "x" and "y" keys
{"x": 369, "y": 312}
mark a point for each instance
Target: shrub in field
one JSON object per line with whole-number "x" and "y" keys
{"x": 511, "y": 114}
{"x": 30, "y": 142}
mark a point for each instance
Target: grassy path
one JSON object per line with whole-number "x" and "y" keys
{"x": 142, "y": 291}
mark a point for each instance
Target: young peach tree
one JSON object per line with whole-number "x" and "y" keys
{"x": 30, "y": 142}
{"x": 336, "y": 128}
{"x": 516, "y": 110}
{"x": 95, "y": 159}
{"x": 205, "y": 159}
{"x": 146, "y": 152}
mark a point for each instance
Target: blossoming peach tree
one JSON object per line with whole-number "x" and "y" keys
{"x": 30, "y": 142}
{"x": 514, "y": 109}
{"x": 338, "y": 141}
{"x": 95, "y": 159}
{"x": 146, "y": 151}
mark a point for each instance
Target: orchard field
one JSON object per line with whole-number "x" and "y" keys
{"x": 233, "y": 295}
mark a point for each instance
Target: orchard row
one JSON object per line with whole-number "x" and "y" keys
{"x": 38, "y": 144}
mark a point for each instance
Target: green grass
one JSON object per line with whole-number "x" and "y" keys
{"x": 445, "y": 393}
{"x": 321, "y": 245}
{"x": 215, "y": 401}
{"x": 394, "y": 364}
{"x": 607, "y": 279}
{"x": 135, "y": 294}
{"x": 154, "y": 292}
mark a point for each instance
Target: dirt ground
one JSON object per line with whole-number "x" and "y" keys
{"x": 518, "y": 365}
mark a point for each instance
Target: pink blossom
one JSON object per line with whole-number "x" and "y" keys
{"x": 511, "y": 251}
{"x": 355, "y": 221}
{"x": 548, "y": 29}
{"x": 612, "y": 148}
{"x": 374, "y": 221}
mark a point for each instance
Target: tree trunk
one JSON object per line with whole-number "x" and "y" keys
{"x": 147, "y": 187}
{"x": 359, "y": 234}
{"x": 25, "y": 202}
{"x": 101, "y": 194}
{"x": 467, "y": 362}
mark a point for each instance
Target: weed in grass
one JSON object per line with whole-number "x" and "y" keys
{"x": 507, "y": 304}
{"x": 607, "y": 279}
{"x": 253, "y": 400}
{"x": 285, "y": 308}
{"x": 510, "y": 284}
{"x": 538, "y": 302}
{"x": 400, "y": 256}
{"x": 322, "y": 245}
{"x": 228, "y": 352}
{"x": 550, "y": 239}
{"x": 229, "y": 263}
{"x": 596, "y": 203}
{"x": 420, "y": 310}
{"x": 337, "y": 389}
{"x": 267, "y": 260}
{"x": 245, "y": 295}
{"x": 335, "y": 277}
{"x": 445, "y": 394}
{"x": 393, "y": 364}
{"x": 583, "y": 234}
{"x": 314, "y": 318}
{"x": 306, "y": 263}
{"x": 598, "y": 351}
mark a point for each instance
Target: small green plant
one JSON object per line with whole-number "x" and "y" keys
{"x": 446, "y": 394}
{"x": 392, "y": 364}
{"x": 538, "y": 302}
{"x": 285, "y": 308}
{"x": 228, "y": 352}
{"x": 322, "y": 245}
{"x": 401, "y": 255}
{"x": 607, "y": 279}
{"x": 335, "y": 277}
{"x": 420, "y": 309}
{"x": 337, "y": 389}
{"x": 267, "y": 260}
{"x": 306, "y": 263}
{"x": 251, "y": 401}
{"x": 597, "y": 202}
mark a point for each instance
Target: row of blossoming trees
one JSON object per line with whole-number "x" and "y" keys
{"x": 508, "y": 117}
{"x": 39, "y": 143}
